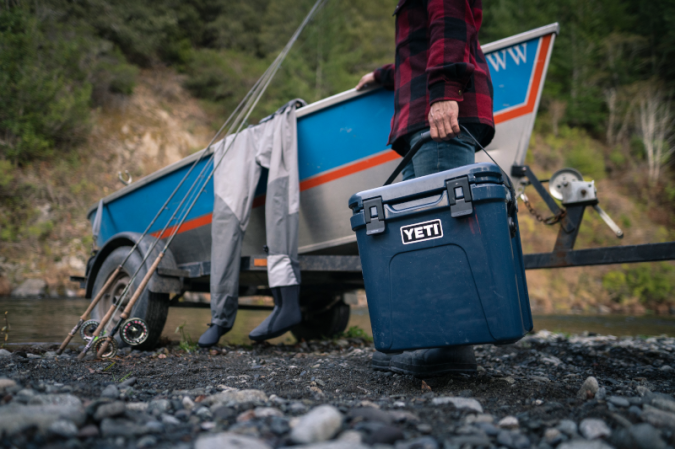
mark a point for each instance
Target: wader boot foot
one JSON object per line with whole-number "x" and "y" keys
{"x": 212, "y": 335}
{"x": 435, "y": 362}
{"x": 381, "y": 361}
{"x": 285, "y": 315}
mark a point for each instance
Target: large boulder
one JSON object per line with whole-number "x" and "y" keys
{"x": 30, "y": 288}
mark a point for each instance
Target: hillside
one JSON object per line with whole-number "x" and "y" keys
{"x": 158, "y": 125}
{"x": 602, "y": 289}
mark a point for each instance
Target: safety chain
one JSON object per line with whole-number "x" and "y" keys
{"x": 548, "y": 221}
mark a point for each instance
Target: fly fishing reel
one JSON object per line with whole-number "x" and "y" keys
{"x": 134, "y": 331}
{"x": 87, "y": 329}
{"x": 111, "y": 350}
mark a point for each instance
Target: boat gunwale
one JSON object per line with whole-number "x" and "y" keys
{"x": 312, "y": 108}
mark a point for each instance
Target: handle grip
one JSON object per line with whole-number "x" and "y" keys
{"x": 424, "y": 138}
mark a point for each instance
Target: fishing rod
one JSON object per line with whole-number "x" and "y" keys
{"x": 80, "y": 326}
{"x": 85, "y": 326}
{"x": 90, "y": 329}
{"x": 267, "y": 76}
{"x": 93, "y": 340}
{"x": 136, "y": 330}
{"x": 137, "y": 326}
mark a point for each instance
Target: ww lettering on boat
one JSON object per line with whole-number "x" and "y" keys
{"x": 498, "y": 59}
{"x": 419, "y": 232}
{"x": 519, "y": 54}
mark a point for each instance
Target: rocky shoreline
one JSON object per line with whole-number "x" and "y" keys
{"x": 546, "y": 391}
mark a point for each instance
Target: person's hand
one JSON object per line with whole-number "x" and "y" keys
{"x": 367, "y": 80}
{"x": 443, "y": 120}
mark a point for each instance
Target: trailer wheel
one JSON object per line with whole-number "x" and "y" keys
{"x": 151, "y": 307}
{"x": 323, "y": 315}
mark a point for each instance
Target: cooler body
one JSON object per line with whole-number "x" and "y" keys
{"x": 442, "y": 260}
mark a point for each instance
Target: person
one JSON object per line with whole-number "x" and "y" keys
{"x": 440, "y": 79}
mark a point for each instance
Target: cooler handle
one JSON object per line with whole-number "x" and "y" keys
{"x": 424, "y": 138}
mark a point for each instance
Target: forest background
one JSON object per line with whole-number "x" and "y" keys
{"x": 70, "y": 71}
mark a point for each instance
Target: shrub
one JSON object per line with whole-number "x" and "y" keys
{"x": 44, "y": 96}
{"x": 50, "y": 65}
{"x": 650, "y": 283}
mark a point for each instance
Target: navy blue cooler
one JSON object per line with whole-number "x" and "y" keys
{"x": 442, "y": 260}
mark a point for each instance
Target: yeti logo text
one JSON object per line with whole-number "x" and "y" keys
{"x": 419, "y": 232}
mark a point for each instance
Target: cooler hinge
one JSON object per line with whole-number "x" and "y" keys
{"x": 374, "y": 214}
{"x": 459, "y": 195}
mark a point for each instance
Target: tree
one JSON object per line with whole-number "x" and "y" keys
{"x": 655, "y": 123}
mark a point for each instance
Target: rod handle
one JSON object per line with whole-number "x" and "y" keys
{"x": 141, "y": 287}
{"x": 86, "y": 313}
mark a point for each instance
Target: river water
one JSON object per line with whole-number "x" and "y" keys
{"x": 50, "y": 320}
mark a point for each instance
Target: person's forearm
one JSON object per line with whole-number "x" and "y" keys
{"x": 385, "y": 76}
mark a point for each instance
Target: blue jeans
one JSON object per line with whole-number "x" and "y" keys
{"x": 435, "y": 157}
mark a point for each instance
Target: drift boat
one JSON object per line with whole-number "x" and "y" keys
{"x": 341, "y": 150}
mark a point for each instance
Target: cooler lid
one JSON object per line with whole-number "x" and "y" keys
{"x": 475, "y": 173}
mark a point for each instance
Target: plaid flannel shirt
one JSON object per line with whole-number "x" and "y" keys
{"x": 438, "y": 58}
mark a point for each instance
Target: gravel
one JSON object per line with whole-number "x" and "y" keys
{"x": 589, "y": 388}
{"x": 592, "y": 429}
{"x": 320, "y": 424}
{"x": 547, "y": 391}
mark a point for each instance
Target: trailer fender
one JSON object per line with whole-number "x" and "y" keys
{"x": 157, "y": 284}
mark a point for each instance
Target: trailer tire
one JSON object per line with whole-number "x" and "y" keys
{"x": 151, "y": 307}
{"x": 323, "y": 315}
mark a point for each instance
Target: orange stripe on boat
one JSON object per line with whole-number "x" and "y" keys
{"x": 536, "y": 84}
{"x": 356, "y": 167}
{"x": 186, "y": 226}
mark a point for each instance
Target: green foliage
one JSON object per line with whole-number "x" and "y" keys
{"x": 603, "y": 44}
{"x": 579, "y": 151}
{"x": 6, "y": 174}
{"x": 44, "y": 98}
{"x": 186, "y": 343}
{"x": 617, "y": 157}
{"x": 650, "y": 283}
{"x": 52, "y": 69}
{"x": 356, "y": 332}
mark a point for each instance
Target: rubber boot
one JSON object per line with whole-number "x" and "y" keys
{"x": 285, "y": 315}
{"x": 381, "y": 361}
{"x": 435, "y": 362}
{"x": 212, "y": 335}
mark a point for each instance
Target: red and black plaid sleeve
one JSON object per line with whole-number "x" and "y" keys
{"x": 385, "y": 76}
{"x": 449, "y": 66}
{"x": 438, "y": 58}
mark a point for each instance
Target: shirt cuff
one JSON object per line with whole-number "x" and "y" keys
{"x": 377, "y": 74}
{"x": 446, "y": 91}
